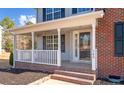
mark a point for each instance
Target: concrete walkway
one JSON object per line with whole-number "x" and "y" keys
{"x": 52, "y": 81}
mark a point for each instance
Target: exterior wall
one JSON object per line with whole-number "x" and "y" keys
{"x": 108, "y": 64}
{"x": 65, "y": 56}
{"x": 39, "y": 43}
{"x": 39, "y": 14}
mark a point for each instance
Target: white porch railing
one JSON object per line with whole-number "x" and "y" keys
{"x": 24, "y": 55}
{"x": 48, "y": 57}
{"x": 45, "y": 57}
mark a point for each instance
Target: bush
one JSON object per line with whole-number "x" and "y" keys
{"x": 11, "y": 59}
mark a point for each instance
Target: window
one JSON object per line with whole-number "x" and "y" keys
{"x": 119, "y": 39}
{"x": 51, "y": 42}
{"x": 79, "y": 10}
{"x": 53, "y": 13}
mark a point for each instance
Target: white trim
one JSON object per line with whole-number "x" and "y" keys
{"x": 74, "y": 57}
{"x": 78, "y": 59}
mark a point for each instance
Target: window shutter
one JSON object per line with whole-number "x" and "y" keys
{"x": 63, "y": 43}
{"x": 119, "y": 39}
{"x": 62, "y": 12}
{"x": 74, "y": 10}
{"x": 91, "y": 9}
{"x": 44, "y": 42}
{"x": 44, "y": 14}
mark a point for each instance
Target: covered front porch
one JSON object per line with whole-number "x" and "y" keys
{"x": 68, "y": 42}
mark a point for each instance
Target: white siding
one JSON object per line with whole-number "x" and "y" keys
{"x": 65, "y": 55}
{"x": 39, "y": 43}
{"x": 39, "y": 15}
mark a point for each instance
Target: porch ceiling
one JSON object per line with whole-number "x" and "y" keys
{"x": 73, "y": 21}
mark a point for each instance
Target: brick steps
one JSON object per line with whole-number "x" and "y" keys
{"x": 76, "y": 74}
{"x": 74, "y": 77}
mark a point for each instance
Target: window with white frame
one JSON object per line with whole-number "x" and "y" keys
{"x": 81, "y": 10}
{"x": 51, "y": 42}
{"x": 53, "y": 13}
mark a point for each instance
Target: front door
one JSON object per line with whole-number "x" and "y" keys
{"x": 81, "y": 46}
{"x": 84, "y": 46}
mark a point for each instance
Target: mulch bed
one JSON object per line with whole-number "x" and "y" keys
{"x": 19, "y": 76}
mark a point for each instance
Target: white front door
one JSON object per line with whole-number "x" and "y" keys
{"x": 81, "y": 46}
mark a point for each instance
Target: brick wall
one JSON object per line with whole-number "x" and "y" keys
{"x": 108, "y": 64}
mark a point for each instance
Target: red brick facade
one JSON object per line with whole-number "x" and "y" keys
{"x": 108, "y": 64}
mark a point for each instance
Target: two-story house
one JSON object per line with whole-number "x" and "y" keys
{"x": 76, "y": 44}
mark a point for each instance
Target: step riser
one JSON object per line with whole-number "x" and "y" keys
{"x": 75, "y": 75}
{"x": 79, "y": 70}
{"x": 70, "y": 80}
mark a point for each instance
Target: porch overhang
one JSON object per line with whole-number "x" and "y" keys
{"x": 79, "y": 20}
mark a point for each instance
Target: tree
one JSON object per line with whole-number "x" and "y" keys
{"x": 28, "y": 23}
{"x": 7, "y": 23}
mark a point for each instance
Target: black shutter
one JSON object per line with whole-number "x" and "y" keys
{"x": 44, "y": 42}
{"x": 62, "y": 43}
{"x": 91, "y": 9}
{"x": 44, "y": 14}
{"x": 62, "y": 12}
{"x": 119, "y": 39}
{"x": 74, "y": 10}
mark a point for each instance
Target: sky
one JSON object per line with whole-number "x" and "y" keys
{"x": 19, "y": 15}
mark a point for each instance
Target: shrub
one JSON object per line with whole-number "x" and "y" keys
{"x": 11, "y": 59}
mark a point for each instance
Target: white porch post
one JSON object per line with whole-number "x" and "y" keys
{"x": 32, "y": 34}
{"x": 93, "y": 55}
{"x": 14, "y": 50}
{"x": 59, "y": 47}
